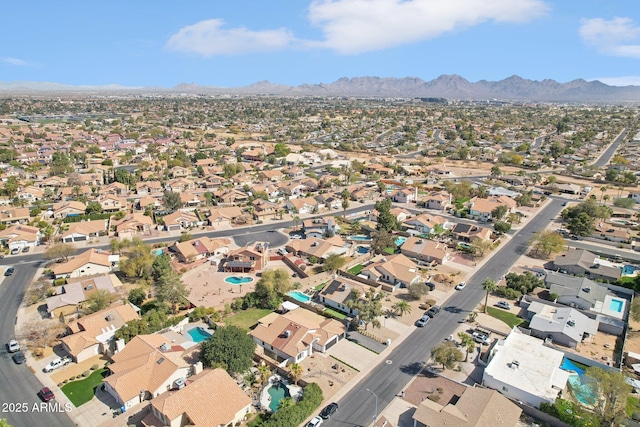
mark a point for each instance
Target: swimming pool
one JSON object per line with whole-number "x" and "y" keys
{"x": 157, "y": 252}
{"x": 628, "y": 270}
{"x": 238, "y": 280}
{"x": 579, "y": 383}
{"x": 198, "y": 334}
{"x": 277, "y": 391}
{"x": 360, "y": 238}
{"x": 399, "y": 241}
{"x": 362, "y": 250}
{"x": 616, "y": 305}
{"x": 299, "y": 296}
{"x": 568, "y": 365}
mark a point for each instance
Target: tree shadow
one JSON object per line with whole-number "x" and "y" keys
{"x": 454, "y": 309}
{"x": 412, "y": 368}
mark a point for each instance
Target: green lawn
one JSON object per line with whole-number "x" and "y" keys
{"x": 356, "y": 269}
{"x": 632, "y": 406}
{"x": 508, "y": 318}
{"x": 335, "y": 313}
{"x": 246, "y": 319}
{"x": 81, "y": 391}
{"x": 320, "y": 286}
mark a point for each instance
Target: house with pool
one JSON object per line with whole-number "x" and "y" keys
{"x": 396, "y": 270}
{"x": 248, "y": 259}
{"x": 295, "y": 335}
{"x": 339, "y": 292}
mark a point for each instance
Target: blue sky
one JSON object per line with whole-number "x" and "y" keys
{"x": 239, "y": 42}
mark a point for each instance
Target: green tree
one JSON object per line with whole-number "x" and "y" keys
{"x": 137, "y": 296}
{"x": 499, "y": 212}
{"x": 502, "y": 227}
{"x": 581, "y": 225}
{"x": 369, "y": 309}
{"x": 524, "y": 283}
{"x": 545, "y": 243}
{"x": 161, "y": 266}
{"x": 98, "y": 300}
{"x": 172, "y": 200}
{"x": 401, "y": 308}
{"x": 612, "y": 390}
{"x": 185, "y": 237}
{"x": 489, "y": 285}
{"x": 381, "y": 240}
{"x": 623, "y": 202}
{"x": 281, "y": 150}
{"x": 447, "y": 354}
{"x": 93, "y": 208}
{"x": 59, "y": 250}
{"x": 11, "y": 186}
{"x": 264, "y": 372}
{"x": 296, "y": 372}
{"x": 480, "y": 247}
{"x": 345, "y": 195}
{"x": 466, "y": 342}
{"x": 171, "y": 289}
{"x": 334, "y": 262}
{"x": 496, "y": 171}
{"x": 230, "y": 348}
{"x": 634, "y": 310}
{"x": 418, "y": 290}
{"x": 139, "y": 261}
{"x": 4, "y": 423}
{"x": 386, "y": 220}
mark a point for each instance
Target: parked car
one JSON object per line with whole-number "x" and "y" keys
{"x": 13, "y": 346}
{"x": 461, "y": 286}
{"x": 9, "y": 271}
{"x": 430, "y": 285}
{"x": 25, "y": 249}
{"x": 46, "y": 394}
{"x": 57, "y": 363}
{"x": 481, "y": 338}
{"x": 503, "y": 304}
{"x": 19, "y": 358}
{"x": 329, "y": 410}
{"x": 422, "y": 321}
{"x": 15, "y": 251}
{"x": 433, "y": 311}
{"x": 315, "y": 422}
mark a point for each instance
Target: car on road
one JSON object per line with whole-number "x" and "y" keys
{"x": 481, "y": 338}
{"x": 13, "y": 346}
{"x": 503, "y": 304}
{"x": 57, "y": 363}
{"x": 19, "y": 358}
{"x": 329, "y": 410}
{"x": 433, "y": 311}
{"x": 461, "y": 286}
{"x": 46, "y": 394}
{"x": 422, "y": 321}
{"x": 9, "y": 271}
{"x": 315, "y": 422}
{"x": 296, "y": 237}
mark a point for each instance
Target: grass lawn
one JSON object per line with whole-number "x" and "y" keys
{"x": 245, "y": 319}
{"x": 625, "y": 280}
{"x": 335, "y": 313}
{"x": 81, "y": 391}
{"x": 320, "y": 286}
{"x": 356, "y": 269}
{"x": 389, "y": 251}
{"x": 633, "y": 405}
{"x": 508, "y": 318}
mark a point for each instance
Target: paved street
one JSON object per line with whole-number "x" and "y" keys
{"x": 407, "y": 359}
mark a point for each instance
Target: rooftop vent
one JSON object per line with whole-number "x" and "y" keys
{"x": 586, "y": 289}
{"x": 109, "y": 317}
{"x": 287, "y": 333}
{"x": 159, "y": 361}
{"x": 164, "y": 347}
{"x": 571, "y": 323}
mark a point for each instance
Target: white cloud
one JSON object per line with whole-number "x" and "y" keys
{"x": 209, "y": 38}
{"x": 616, "y": 37}
{"x": 355, "y": 26}
{"x": 620, "y": 81}
{"x": 14, "y": 61}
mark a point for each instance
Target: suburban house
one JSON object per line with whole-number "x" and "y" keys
{"x": 14, "y": 215}
{"x": 83, "y": 231}
{"x": 248, "y": 259}
{"x": 607, "y": 232}
{"x": 93, "y": 334}
{"x": 404, "y": 195}
{"x": 320, "y": 227}
{"x": 199, "y": 403}
{"x": 469, "y": 232}
{"x": 425, "y": 223}
{"x": 69, "y": 208}
{"x": 425, "y": 250}
{"x": 134, "y": 224}
{"x": 481, "y": 209}
{"x": 264, "y": 209}
{"x": 181, "y": 220}
{"x": 475, "y": 407}
{"x": 440, "y": 200}
{"x": 563, "y": 325}
{"x": 200, "y": 248}
{"x": 315, "y": 247}
{"x": 87, "y": 263}
{"x": 145, "y": 368}
{"x": 70, "y": 296}
{"x": 339, "y": 292}
{"x": 224, "y": 216}
{"x": 112, "y": 203}
{"x": 397, "y": 270}
{"x": 19, "y": 236}
{"x": 302, "y": 206}
{"x": 581, "y": 262}
{"x": 295, "y": 335}
{"x": 522, "y": 368}
{"x": 31, "y": 194}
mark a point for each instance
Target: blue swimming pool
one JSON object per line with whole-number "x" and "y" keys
{"x": 399, "y": 241}
{"x": 360, "y": 238}
{"x": 299, "y": 296}
{"x": 157, "y": 252}
{"x": 616, "y": 305}
{"x": 238, "y": 280}
{"x": 277, "y": 391}
{"x": 579, "y": 383}
{"x": 628, "y": 270}
{"x": 568, "y": 365}
{"x": 198, "y": 334}
{"x": 362, "y": 250}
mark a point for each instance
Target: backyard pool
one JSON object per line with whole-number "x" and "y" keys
{"x": 629, "y": 270}
{"x": 277, "y": 391}
{"x": 198, "y": 334}
{"x": 360, "y": 238}
{"x": 399, "y": 241}
{"x": 362, "y": 250}
{"x": 157, "y": 252}
{"x": 579, "y": 383}
{"x": 238, "y": 280}
{"x": 616, "y": 305}
{"x": 299, "y": 296}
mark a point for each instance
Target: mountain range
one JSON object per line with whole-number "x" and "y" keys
{"x": 514, "y": 88}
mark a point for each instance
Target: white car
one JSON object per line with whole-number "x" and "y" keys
{"x": 13, "y": 346}
{"x": 504, "y": 305}
{"x": 422, "y": 321}
{"x": 481, "y": 338}
{"x": 317, "y": 421}
{"x": 461, "y": 286}
{"x": 57, "y": 363}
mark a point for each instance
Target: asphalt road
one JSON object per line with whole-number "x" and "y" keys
{"x": 391, "y": 375}
{"x": 604, "y": 159}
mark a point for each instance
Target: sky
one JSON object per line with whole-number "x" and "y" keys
{"x": 239, "y": 42}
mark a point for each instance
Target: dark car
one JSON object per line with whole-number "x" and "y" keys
{"x": 433, "y": 311}
{"x": 18, "y": 358}
{"x": 46, "y": 394}
{"x": 430, "y": 285}
{"x": 9, "y": 271}
{"x": 329, "y": 410}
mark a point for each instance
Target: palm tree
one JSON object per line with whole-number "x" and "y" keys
{"x": 264, "y": 372}
{"x": 295, "y": 370}
{"x": 346, "y": 195}
{"x": 402, "y": 308}
{"x": 606, "y": 198}
{"x": 287, "y": 402}
{"x": 296, "y": 222}
{"x": 489, "y": 285}
{"x": 603, "y": 189}
{"x": 466, "y": 341}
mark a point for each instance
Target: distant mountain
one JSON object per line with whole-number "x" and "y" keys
{"x": 513, "y": 88}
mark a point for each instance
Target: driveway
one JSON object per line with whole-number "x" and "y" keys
{"x": 354, "y": 355}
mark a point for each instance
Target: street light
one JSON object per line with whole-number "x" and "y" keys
{"x": 375, "y": 415}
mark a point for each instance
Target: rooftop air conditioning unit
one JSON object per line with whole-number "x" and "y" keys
{"x": 287, "y": 333}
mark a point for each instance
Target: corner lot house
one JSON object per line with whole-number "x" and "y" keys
{"x": 70, "y": 296}
{"x": 210, "y": 398}
{"x": 291, "y": 337}
{"x": 20, "y": 236}
{"x": 88, "y": 263}
{"x": 522, "y": 368}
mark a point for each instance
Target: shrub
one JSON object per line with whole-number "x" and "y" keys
{"x": 508, "y": 292}
{"x": 59, "y": 282}
{"x": 94, "y": 367}
{"x": 296, "y": 414}
{"x": 431, "y": 302}
{"x": 86, "y": 374}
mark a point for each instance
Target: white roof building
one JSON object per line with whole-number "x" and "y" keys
{"x": 522, "y": 368}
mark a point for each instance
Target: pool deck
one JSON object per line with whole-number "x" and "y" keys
{"x": 265, "y": 398}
